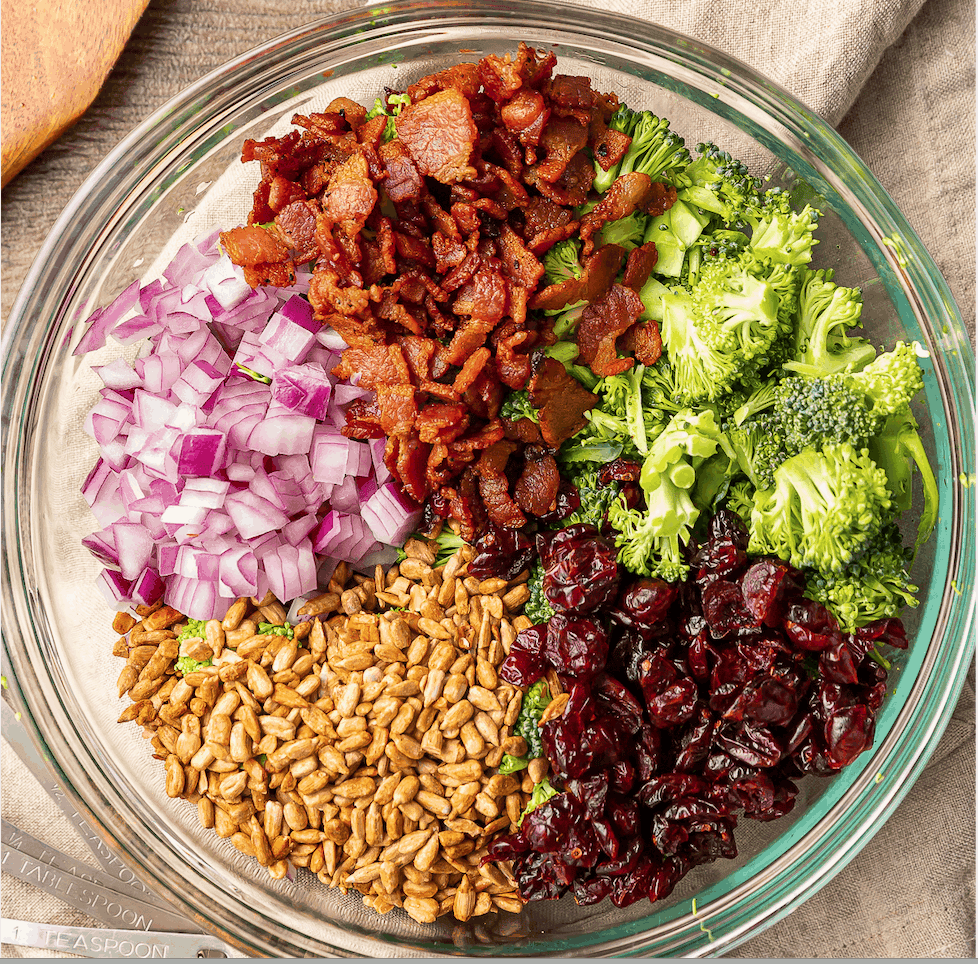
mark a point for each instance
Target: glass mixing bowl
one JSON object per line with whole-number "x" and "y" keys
{"x": 177, "y": 176}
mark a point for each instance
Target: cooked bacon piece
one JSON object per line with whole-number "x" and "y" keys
{"x": 545, "y": 240}
{"x": 461, "y": 274}
{"x": 562, "y": 138}
{"x": 281, "y": 274}
{"x": 471, "y": 368}
{"x": 413, "y": 249}
{"x": 571, "y": 188}
{"x": 442, "y": 422}
{"x": 483, "y": 299}
{"x": 466, "y": 507}
{"x": 600, "y": 326}
{"x": 403, "y": 181}
{"x": 411, "y": 465}
{"x": 599, "y": 271}
{"x": 296, "y": 223}
{"x": 398, "y": 408}
{"x": 562, "y": 401}
{"x": 252, "y": 245}
{"x": 608, "y": 145}
{"x": 370, "y": 132}
{"x": 513, "y": 366}
{"x": 282, "y": 192}
{"x": 351, "y": 195}
{"x": 326, "y": 296}
{"x": 644, "y": 341}
{"x": 536, "y": 489}
{"x": 506, "y": 145}
{"x": 523, "y": 430}
{"x": 502, "y": 77}
{"x": 663, "y": 197}
{"x": 352, "y": 112}
{"x": 462, "y": 77}
{"x": 494, "y": 486}
{"x": 543, "y": 215}
{"x": 639, "y": 265}
{"x": 363, "y": 419}
{"x": 526, "y": 115}
{"x": 388, "y": 246}
{"x": 449, "y": 252}
{"x": 568, "y": 91}
{"x": 375, "y": 365}
{"x": 485, "y": 395}
{"x": 288, "y": 156}
{"x": 627, "y": 194}
{"x": 519, "y": 264}
{"x": 440, "y": 135}
{"x": 488, "y": 435}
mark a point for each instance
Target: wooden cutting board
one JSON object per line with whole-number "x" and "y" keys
{"x": 56, "y": 55}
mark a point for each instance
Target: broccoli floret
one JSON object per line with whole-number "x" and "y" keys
{"x": 542, "y": 792}
{"x": 717, "y": 183}
{"x": 758, "y": 447}
{"x": 740, "y": 499}
{"x": 650, "y": 540}
{"x": 562, "y": 262}
{"x": 395, "y": 103}
{"x": 738, "y": 311}
{"x": 824, "y": 509}
{"x": 655, "y": 149}
{"x": 784, "y": 236}
{"x": 596, "y": 498}
{"x": 875, "y": 586}
{"x": 891, "y": 381}
{"x": 814, "y": 411}
{"x": 535, "y": 700}
{"x": 717, "y": 334}
{"x": 895, "y": 448}
{"x": 517, "y": 405}
{"x": 537, "y": 609}
{"x": 674, "y": 233}
{"x": 629, "y": 232}
{"x": 623, "y": 413}
{"x": 826, "y": 312}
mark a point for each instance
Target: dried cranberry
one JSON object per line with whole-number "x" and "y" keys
{"x": 764, "y": 586}
{"x": 503, "y": 553}
{"x": 643, "y": 603}
{"x": 889, "y": 631}
{"x": 619, "y": 470}
{"x": 750, "y": 742}
{"x": 675, "y": 704}
{"x": 580, "y": 568}
{"x": 835, "y": 663}
{"x": 576, "y": 647}
{"x": 848, "y": 731}
{"x": 568, "y": 502}
{"x": 724, "y": 609}
{"x": 592, "y": 891}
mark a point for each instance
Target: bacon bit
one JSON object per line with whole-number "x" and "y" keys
{"x": 449, "y": 252}
{"x": 627, "y": 194}
{"x": 412, "y": 462}
{"x": 644, "y": 341}
{"x": 370, "y": 132}
{"x": 597, "y": 275}
{"x": 281, "y": 274}
{"x": 639, "y": 265}
{"x": 296, "y": 223}
{"x": 325, "y": 294}
{"x": 440, "y": 135}
{"x": 398, "y": 409}
{"x": 403, "y": 181}
{"x": 562, "y": 138}
{"x": 601, "y": 323}
{"x": 282, "y": 192}
{"x": 663, "y": 197}
{"x": 519, "y": 264}
{"x": 536, "y": 490}
{"x": 471, "y": 368}
{"x": 442, "y": 422}
{"x": 461, "y": 77}
{"x": 608, "y": 145}
{"x": 252, "y": 245}
{"x": 494, "y": 486}
{"x": 363, "y": 420}
{"x": 376, "y": 365}
{"x": 561, "y": 400}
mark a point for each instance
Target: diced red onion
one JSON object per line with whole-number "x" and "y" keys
{"x": 331, "y": 339}
{"x": 303, "y": 389}
{"x": 390, "y": 515}
{"x": 116, "y": 589}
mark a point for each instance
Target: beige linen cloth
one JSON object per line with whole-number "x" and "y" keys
{"x": 897, "y": 78}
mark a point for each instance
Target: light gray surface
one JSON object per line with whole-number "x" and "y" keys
{"x": 898, "y": 78}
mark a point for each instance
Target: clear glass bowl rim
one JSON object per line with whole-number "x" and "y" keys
{"x": 784, "y": 884}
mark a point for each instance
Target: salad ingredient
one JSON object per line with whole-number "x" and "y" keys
{"x": 361, "y": 743}
{"x": 212, "y": 482}
{"x": 535, "y": 700}
{"x": 696, "y": 707}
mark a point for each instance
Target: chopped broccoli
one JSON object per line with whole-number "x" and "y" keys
{"x": 655, "y": 150}
{"x": 650, "y": 541}
{"x": 826, "y": 312}
{"x": 674, "y": 232}
{"x": 537, "y": 608}
{"x": 824, "y": 509}
{"x": 758, "y": 447}
{"x": 894, "y": 448}
{"x": 542, "y": 792}
{"x": 717, "y": 183}
{"x": 891, "y": 381}
{"x": 629, "y": 232}
{"x": 517, "y": 405}
{"x": 622, "y": 413}
{"x": 596, "y": 498}
{"x": 447, "y": 543}
{"x": 273, "y": 629}
{"x": 393, "y": 107}
{"x": 814, "y": 411}
{"x": 875, "y": 586}
{"x": 785, "y": 236}
{"x": 195, "y": 629}
{"x": 562, "y": 262}
{"x": 535, "y": 700}
{"x": 186, "y": 664}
